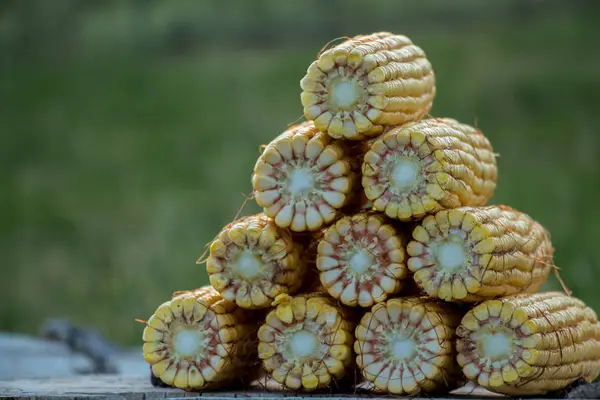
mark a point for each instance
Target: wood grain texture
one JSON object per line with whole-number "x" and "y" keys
{"x": 138, "y": 388}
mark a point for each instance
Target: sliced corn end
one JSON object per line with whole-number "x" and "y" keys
{"x": 252, "y": 261}
{"x": 361, "y": 260}
{"x": 529, "y": 344}
{"x": 357, "y": 88}
{"x": 303, "y": 178}
{"x": 405, "y": 346}
{"x": 476, "y": 253}
{"x": 199, "y": 341}
{"x": 426, "y": 166}
{"x": 306, "y": 342}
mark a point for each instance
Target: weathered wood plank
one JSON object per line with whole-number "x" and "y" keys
{"x": 138, "y": 388}
{"x": 25, "y": 357}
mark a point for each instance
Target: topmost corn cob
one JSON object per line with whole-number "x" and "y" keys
{"x": 358, "y": 87}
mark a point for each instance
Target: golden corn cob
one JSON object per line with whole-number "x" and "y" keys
{"x": 303, "y": 178}
{"x": 405, "y": 346}
{"x": 197, "y": 340}
{"x": 478, "y": 253}
{"x": 253, "y": 260}
{"x": 361, "y": 260}
{"x": 366, "y": 83}
{"x": 306, "y": 341}
{"x": 422, "y": 167}
{"x": 529, "y": 344}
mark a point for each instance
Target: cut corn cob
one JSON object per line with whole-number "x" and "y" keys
{"x": 366, "y": 83}
{"x": 405, "y": 346}
{"x": 253, "y": 260}
{"x": 529, "y": 344}
{"x": 478, "y": 253}
{"x": 197, "y": 340}
{"x": 361, "y": 260}
{"x": 306, "y": 341}
{"x": 422, "y": 167}
{"x": 303, "y": 178}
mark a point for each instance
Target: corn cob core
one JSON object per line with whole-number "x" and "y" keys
{"x": 478, "y": 253}
{"x": 361, "y": 260}
{"x": 426, "y": 166}
{"x": 355, "y": 89}
{"x": 529, "y": 344}
{"x": 406, "y": 346}
{"x": 306, "y": 341}
{"x": 253, "y": 260}
{"x": 197, "y": 340}
{"x": 302, "y": 178}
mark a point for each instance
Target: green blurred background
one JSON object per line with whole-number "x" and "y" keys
{"x": 130, "y": 129}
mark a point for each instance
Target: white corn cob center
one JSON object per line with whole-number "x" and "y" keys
{"x": 189, "y": 342}
{"x": 303, "y": 344}
{"x": 451, "y": 256}
{"x": 405, "y": 173}
{"x": 300, "y": 182}
{"x": 360, "y": 261}
{"x": 495, "y": 344}
{"x": 402, "y": 348}
{"x": 248, "y": 265}
{"x": 345, "y": 93}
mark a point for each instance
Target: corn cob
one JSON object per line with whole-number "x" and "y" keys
{"x": 303, "y": 178}
{"x": 361, "y": 260}
{"x": 197, "y": 340}
{"x": 253, "y": 260}
{"x": 425, "y": 166}
{"x": 405, "y": 346}
{"x": 306, "y": 341}
{"x": 366, "y": 83}
{"x": 478, "y": 253}
{"x": 529, "y": 344}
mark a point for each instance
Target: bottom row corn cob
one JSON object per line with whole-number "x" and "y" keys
{"x": 529, "y": 344}
{"x": 306, "y": 341}
{"x": 197, "y": 340}
{"x": 525, "y": 344}
{"x": 406, "y": 346}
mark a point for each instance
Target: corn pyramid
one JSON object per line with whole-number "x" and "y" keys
{"x": 376, "y": 255}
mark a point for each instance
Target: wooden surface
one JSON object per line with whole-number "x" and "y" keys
{"x": 31, "y": 368}
{"x": 23, "y": 357}
{"x": 138, "y": 388}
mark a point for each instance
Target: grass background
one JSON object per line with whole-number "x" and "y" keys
{"x": 129, "y": 131}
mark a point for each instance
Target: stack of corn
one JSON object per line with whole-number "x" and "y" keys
{"x": 376, "y": 251}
